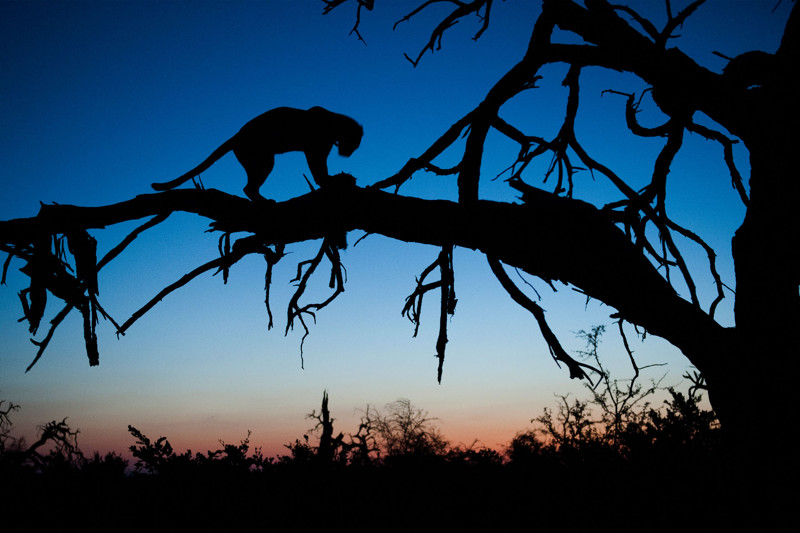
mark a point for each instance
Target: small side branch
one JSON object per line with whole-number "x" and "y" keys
{"x": 628, "y": 350}
{"x": 42, "y": 345}
{"x": 635, "y": 204}
{"x": 305, "y": 269}
{"x": 560, "y": 160}
{"x": 660, "y": 38}
{"x": 118, "y": 249}
{"x": 425, "y": 160}
{"x": 698, "y": 383}
{"x": 727, "y": 146}
{"x": 219, "y": 263}
{"x": 368, "y": 4}
{"x": 462, "y": 10}
{"x": 631, "y": 108}
{"x": 413, "y": 306}
{"x": 576, "y": 368}
{"x": 712, "y": 262}
{"x": 676, "y": 21}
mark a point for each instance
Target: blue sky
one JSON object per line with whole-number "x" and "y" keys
{"x": 100, "y": 98}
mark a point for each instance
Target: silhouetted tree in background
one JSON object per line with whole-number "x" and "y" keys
{"x": 329, "y": 446}
{"x": 638, "y": 260}
{"x": 398, "y": 431}
{"x": 623, "y": 404}
{"x": 403, "y": 430}
{"x": 54, "y": 453}
{"x": 618, "y": 422}
{"x": 6, "y": 408}
{"x": 55, "y": 449}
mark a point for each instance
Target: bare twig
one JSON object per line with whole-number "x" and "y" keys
{"x": 294, "y": 310}
{"x": 114, "y": 252}
{"x": 413, "y": 306}
{"x": 44, "y": 342}
{"x": 330, "y": 5}
{"x": 628, "y": 349}
{"x": 424, "y": 161}
{"x": 462, "y": 9}
{"x": 727, "y": 145}
{"x": 219, "y": 263}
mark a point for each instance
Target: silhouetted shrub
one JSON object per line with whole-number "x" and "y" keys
{"x": 302, "y": 453}
{"x": 616, "y": 427}
{"x": 474, "y": 456}
{"x": 567, "y": 456}
{"x": 402, "y": 430}
{"x": 110, "y": 466}
{"x": 158, "y": 457}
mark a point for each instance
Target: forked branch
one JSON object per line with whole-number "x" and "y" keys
{"x": 305, "y": 269}
{"x": 330, "y": 5}
{"x": 462, "y": 10}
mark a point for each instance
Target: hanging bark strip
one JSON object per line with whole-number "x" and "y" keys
{"x": 447, "y": 305}
{"x": 446, "y": 285}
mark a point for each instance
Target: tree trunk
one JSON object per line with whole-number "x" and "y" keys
{"x": 753, "y": 386}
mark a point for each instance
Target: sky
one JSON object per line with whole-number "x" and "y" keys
{"x": 100, "y": 98}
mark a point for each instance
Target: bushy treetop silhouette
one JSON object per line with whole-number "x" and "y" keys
{"x": 634, "y": 242}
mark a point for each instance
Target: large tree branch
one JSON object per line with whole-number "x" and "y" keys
{"x": 680, "y": 85}
{"x": 549, "y": 236}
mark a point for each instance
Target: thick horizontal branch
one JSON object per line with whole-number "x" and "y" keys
{"x": 549, "y": 236}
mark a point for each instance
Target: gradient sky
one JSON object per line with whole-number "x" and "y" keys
{"x": 100, "y": 98}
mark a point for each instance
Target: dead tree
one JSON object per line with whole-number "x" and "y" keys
{"x": 638, "y": 247}
{"x": 329, "y": 447}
